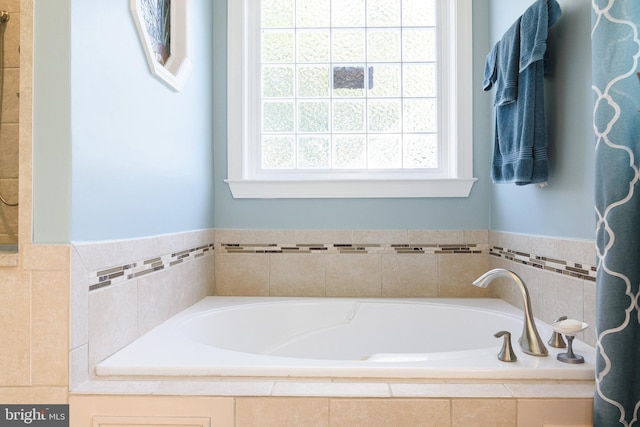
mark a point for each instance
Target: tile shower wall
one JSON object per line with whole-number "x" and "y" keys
{"x": 122, "y": 289}
{"x": 9, "y": 122}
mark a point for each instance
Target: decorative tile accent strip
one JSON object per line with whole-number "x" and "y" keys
{"x": 113, "y": 275}
{"x": 573, "y": 269}
{"x": 355, "y": 248}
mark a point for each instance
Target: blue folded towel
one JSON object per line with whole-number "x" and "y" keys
{"x": 502, "y": 66}
{"x": 520, "y": 148}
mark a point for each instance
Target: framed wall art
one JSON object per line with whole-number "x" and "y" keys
{"x": 164, "y": 30}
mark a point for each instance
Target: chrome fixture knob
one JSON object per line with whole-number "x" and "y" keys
{"x": 506, "y": 353}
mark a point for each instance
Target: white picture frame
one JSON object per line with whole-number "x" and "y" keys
{"x": 173, "y": 65}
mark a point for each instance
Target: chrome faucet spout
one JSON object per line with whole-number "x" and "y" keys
{"x": 530, "y": 341}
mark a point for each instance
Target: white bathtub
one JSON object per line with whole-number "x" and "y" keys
{"x": 345, "y": 338}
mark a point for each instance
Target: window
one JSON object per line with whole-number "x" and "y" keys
{"x": 349, "y": 98}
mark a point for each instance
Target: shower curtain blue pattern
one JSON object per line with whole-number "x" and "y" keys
{"x": 616, "y": 54}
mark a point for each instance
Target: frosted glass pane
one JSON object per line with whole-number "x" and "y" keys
{"x": 384, "y": 152}
{"x": 313, "y": 116}
{"x": 277, "y": 82}
{"x": 349, "y": 151}
{"x": 277, "y": 46}
{"x": 278, "y": 152}
{"x": 314, "y": 152}
{"x": 383, "y": 13}
{"x": 420, "y": 151}
{"x": 420, "y": 115}
{"x": 384, "y": 80}
{"x": 278, "y": 13}
{"x": 277, "y": 117}
{"x": 419, "y": 45}
{"x": 313, "y": 81}
{"x": 384, "y": 116}
{"x": 419, "y": 80}
{"x": 348, "y": 46}
{"x": 383, "y": 46}
{"x": 348, "y": 116}
{"x": 313, "y": 45}
{"x": 418, "y": 13}
{"x": 348, "y": 13}
{"x": 313, "y": 13}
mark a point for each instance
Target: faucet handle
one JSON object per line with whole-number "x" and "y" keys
{"x": 556, "y": 339}
{"x": 506, "y": 353}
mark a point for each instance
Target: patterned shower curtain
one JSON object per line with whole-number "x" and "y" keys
{"x": 616, "y": 55}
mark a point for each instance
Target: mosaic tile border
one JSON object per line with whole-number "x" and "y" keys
{"x": 338, "y": 248}
{"x": 111, "y": 276}
{"x": 567, "y": 268}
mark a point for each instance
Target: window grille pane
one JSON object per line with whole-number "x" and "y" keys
{"x": 278, "y": 13}
{"x": 350, "y": 13}
{"x": 348, "y": 46}
{"x": 384, "y": 80}
{"x": 420, "y": 115}
{"x": 277, "y": 46}
{"x": 419, "y": 45}
{"x": 277, "y": 82}
{"x": 383, "y": 46}
{"x": 278, "y": 152}
{"x": 383, "y": 13}
{"x": 349, "y": 116}
{"x": 313, "y": 46}
{"x": 420, "y": 151}
{"x": 313, "y": 13}
{"x": 277, "y": 116}
{"x": 349, "y": 152}
{"x": 419, "y": 13}
{"x": 385, "y": 152}
{"x": 313, "y": 116}
{"x": 384, "y": 116}
{"x": 419, "y": 80}
{"x": 313, "y": 81}
{"x": 314, "y": 152}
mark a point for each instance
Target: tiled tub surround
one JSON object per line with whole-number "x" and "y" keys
{"x": 122, "y": 289}
{"x": 393, "y": 263}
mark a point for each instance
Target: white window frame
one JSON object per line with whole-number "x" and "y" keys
{"x": 455, "y": 60}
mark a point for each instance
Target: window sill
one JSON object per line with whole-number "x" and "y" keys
{"x": 315, "y": 189}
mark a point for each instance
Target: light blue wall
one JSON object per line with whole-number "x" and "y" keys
{"x": 472, "y": 212}
{"x": 565, "y": 207}
{"x": 119, "y": 155}
{"x": 139, "y": 155}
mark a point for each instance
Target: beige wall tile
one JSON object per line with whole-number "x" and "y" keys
{"x": 560, "y": 412}
{"x": 457, "y": 273}
{"x": 389, "y": 412}
{"x": 33, "y": 395}
{"x": 149, "y": 410}
{"x": 297, "y": 275}
{"x": 379, "y": 236}
{"x": 50, "y": 328}
{"x": 476, "y": 236}
{"x": 242, "y": 274}
{"x": 46, "y": 257}
{"x": 435, "y": 236}
{"x": 15, "y": 327}
{"x": 282, "y": 412}
{"x": 79, "y": 327}
{"x": 354, "y": 275}
{"x": 323, "y": 236}
{"x": 562, "y": 296}
{"x": 409, "y": 275}
{"x": 589, "y": 336}
{"x": 113, "y": 319}
{"x": 484, "y": 412}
